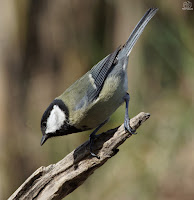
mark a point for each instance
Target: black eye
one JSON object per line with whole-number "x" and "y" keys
{"x": 44, "y": 124}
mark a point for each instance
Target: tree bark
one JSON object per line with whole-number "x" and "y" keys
{"x": 58, "y": 180}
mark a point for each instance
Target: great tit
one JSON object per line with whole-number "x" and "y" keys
{"x": 91, "y": 100}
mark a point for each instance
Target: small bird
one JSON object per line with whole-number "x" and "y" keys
{"x": 91, "y": 100}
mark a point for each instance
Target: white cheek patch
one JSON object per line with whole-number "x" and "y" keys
{"x": 55, "y": 120}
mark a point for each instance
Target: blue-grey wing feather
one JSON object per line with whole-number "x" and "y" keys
{"x": 99, "y": 74}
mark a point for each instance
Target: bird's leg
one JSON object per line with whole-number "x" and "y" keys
{"x": 93, "y": 136}
{"x": 127, "y": 119}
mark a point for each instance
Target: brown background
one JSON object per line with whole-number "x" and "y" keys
{"x": 46, "y": 45}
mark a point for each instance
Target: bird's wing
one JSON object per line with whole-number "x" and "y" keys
{"x": 98, "y": 74}
{"x": 100, "y": 71}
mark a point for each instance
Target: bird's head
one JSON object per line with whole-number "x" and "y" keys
{"x": 54, "y": 121}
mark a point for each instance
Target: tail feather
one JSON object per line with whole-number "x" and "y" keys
{"x": 127, "y": 48}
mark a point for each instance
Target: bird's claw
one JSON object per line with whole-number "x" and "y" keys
{"x": 94, "y": 155}
{"x": 128, "y": 127}
{"x": 92, "y": 138}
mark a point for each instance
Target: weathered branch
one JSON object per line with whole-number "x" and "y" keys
{"x": 58, "y": 180}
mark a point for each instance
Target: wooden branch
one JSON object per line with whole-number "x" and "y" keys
{"x": 58, "y": 180}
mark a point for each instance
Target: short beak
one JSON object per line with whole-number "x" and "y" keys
{"x": 44, "y": 139}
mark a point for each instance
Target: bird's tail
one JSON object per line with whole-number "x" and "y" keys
{"x": 127, "y": 48}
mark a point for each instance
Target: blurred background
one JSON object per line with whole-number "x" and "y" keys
{"x": 46, "y": 45}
